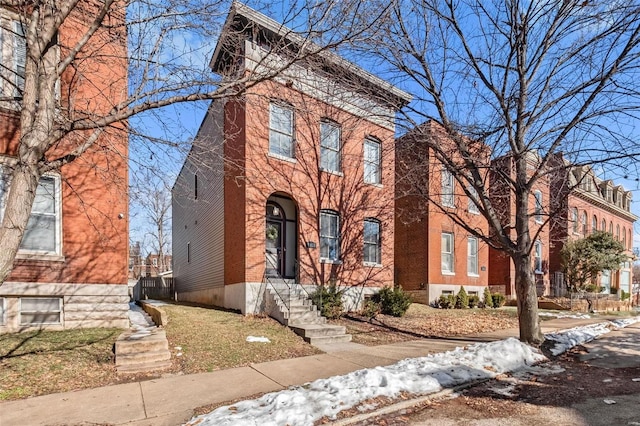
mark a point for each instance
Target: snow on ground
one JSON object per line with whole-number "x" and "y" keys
{"x": 303, "y": 405}
{"x": 564, "y": 315}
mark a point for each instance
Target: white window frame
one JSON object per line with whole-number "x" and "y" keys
{"x": 473, "y": 207}
{"x": 328, "y": 241}
{"x": 330, "y": 132}
{"x": 537, "y": 257}
{"x": 35, "y": 324}
{"x": 372, "y": 161}
{"x": 12, "y": 54}
{"x": 376, "y": 245}
{"x": 447, "y": 197}
{"x": 537, "y": 195}
{"x": 57, "y": 214}
{"x": 472, "y": 257}
{"x": 447, "y": 254}
{"x": 281, "y": 140}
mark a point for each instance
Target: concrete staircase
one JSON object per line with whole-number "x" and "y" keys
{"x": 291, "y": 306}
{"x": 144, "y": 348}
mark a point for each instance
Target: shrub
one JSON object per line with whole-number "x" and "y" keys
{"x": 624, "y": 295}
{"x": 488, "y": 299}
{"x": 498, "y": 299}
{"x": 329, "y": 301}
{"x": 462, "y": 299}
{"x": 371, "y": 309}
{"x": 592, "y": 288}
{"x": 394, "y": 302}
{"x": 446, "y": 301}
{"x": 474, "y": 301}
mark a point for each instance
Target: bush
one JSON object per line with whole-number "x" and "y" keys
{"x": 474, "y": 301}
{"x": 624, "y": 295}
{"x": 329, "y": 301}
{"x": 592, "y": 288}
{"x": 498, "y": 299}
{"x": 488, "y": 299}
{"x": 462, "y": 299}
{"x": 371, "y": 309}
{"x": 394, "y": 302}
{"x": 446, "y": 301}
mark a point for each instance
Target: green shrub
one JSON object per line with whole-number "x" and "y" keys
{"x": 592, "y": 288}
{"x": 474, "y": 301}
{"x": 488, "y": 299}
{"x": 394, "y": 302}
{"x": 329, "y": 301}
{"x": 498, "y": 299}
{"x": 624, "y": 295}
{"x": 462, "y": 299}
{"x": 446, "y": 301}
{"x": 371, "y": 309}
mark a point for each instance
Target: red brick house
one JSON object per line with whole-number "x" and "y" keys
{"x": 293, "y": 179}
{"x": 154, "y": 264}
{"x": 71, "y": 269}
{"x": 434, "y": 254}
{"x": 586, "y": 204}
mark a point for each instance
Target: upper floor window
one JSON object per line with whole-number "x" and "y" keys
{"x": 611, "y": 228}
{"x": 155, "y": 261}
{"x": 329, "y": 235}
{"x": 372, "y": 161}
{"x": 584, "y": 223}
{"x": 281, "y": 140}
{"x": 538, "y": 209}
{"x": 594, "y": 224}
{"x": 446, "y": 248}
{"x": 624, "y": 237}
{"x": 372, "y": 251}
{"x": 618, "y": 232}
{"x": 43, "y": 232}
{"x": 604, "y": 224}
{"x": 537, "y": 257}
{"x": 447, "y": 197}
{"x": 473, "y": 207}
{"x": 574, "y": 219}
{"x": 472, "y": 256}
{"x": 329, "y": 146}
{"x": 13, "y": 53}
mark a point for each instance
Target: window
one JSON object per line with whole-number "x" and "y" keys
{"x": 155, "y": 261}
{"x": 195, "y": 187}
{"x": 472, "y": 256}
{"x": 43, "y": 230}
{"x": 624, "y": 237}
{"x": 537, "y": 257}
{"x": 594, "y": 224}
{"x": 281, "y": 130}
{"x": 618, "y": 232}
{"x": 40, "y": 310}
{"x": 574, "y": 218}
{"x": 538, "y": 209}
{"x": 604, "y": 225}
{"x": 329, "y": 146}
{"x": 611, "y": 228}
{"x": 584, "y": 223}
{"x": 447, "y": 253}
{"x": 630, "y": 240}
{"x": 189, "y": 252}
{"x": 372, "y": 252}
{"x": 473, "y": 207}
{"x": 372, "y": 172}
{"x": 3, "y": 310}
{"x": 12, "y": 36}
{"x": 329, "y": 235}
{"x": 447, "y": 198}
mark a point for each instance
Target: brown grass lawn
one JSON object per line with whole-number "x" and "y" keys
{"x": 425, "y": 321}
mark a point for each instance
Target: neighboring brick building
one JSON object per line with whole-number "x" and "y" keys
{"x": 585, "y": 204}
{"x": 434, "y": 255}
{"x": 294, "y": 178}
{"x": 71, "y": 269}
{"x": 155, "y": 265}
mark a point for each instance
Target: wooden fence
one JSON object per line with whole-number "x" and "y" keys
{"x": 154, "y": 288}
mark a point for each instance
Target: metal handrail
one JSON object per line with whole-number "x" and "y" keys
{"x": 293, "y": 288}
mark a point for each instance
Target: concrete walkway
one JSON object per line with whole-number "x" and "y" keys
{"x": 170, "y": 401}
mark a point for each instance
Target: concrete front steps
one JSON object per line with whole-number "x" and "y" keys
{"x": 295, "y": 310}
{"x": 142, "y": 349}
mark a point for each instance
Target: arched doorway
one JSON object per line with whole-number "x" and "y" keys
{"x": 281, "y": 237}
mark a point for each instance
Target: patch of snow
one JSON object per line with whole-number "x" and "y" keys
{"x": 261, "y": 339}
{"x": 563, "y": 315}
{"x": 504, "y": 391}
{"x": 575, "y": 336}
{"x": 609, "y": 401}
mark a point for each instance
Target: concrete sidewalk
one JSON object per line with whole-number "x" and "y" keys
{"x": 170, "y": 401}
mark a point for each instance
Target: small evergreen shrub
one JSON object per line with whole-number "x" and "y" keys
{"x": 624, "y": 295}
{"x": 474, "y": 301}
{"x": 371, "y": 309}
{"x": 498, "y": 299}
{"x": 488, "y": 299}
{"x": 394, "y": 302}
{"x": 329, "y": 301}
{"x": 462, "y": 299}
{"x": 446, "y": 301}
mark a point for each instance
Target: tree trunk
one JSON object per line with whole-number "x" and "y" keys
{"x": 527, "y": 298}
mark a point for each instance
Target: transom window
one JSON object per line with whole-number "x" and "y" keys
{"x": 329, "y": 146}
{"x": 447, "y": 253}
{"x": 281, "y": 130}
{"x": 372, "y": 161}
{"x": 329, "y": 235}
{"x": 372, "y": 252}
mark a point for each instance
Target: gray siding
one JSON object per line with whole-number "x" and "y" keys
{"x": 199, "y": 223}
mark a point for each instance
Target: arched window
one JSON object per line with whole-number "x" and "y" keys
{"x": 618, "y": 232}
{"x": 584, "y": 223}
{"x": 574, "y": 218}
{"x": 604, "y": 225}
{"x": 624, "y": 237}
{"x": 594, "y": 223}
{"x": 611, "y": 228}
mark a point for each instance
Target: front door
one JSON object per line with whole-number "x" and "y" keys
{"x": 274, "y": 248}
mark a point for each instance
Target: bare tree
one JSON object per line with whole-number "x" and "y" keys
{"x": 72, "y": 99}
{"x": 529, "y": 80}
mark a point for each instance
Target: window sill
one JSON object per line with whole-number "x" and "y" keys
{"x": 332, "y": 172}
{"x": 474, "y": 275}
{"x": 372, "y": 264}
{"x": 377, "y": 185}
{"x": 45, "y": 257}
{"x": 448, "y": 273}
{"x": 282, "y": 157}
{"x": 538, "y": 272}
